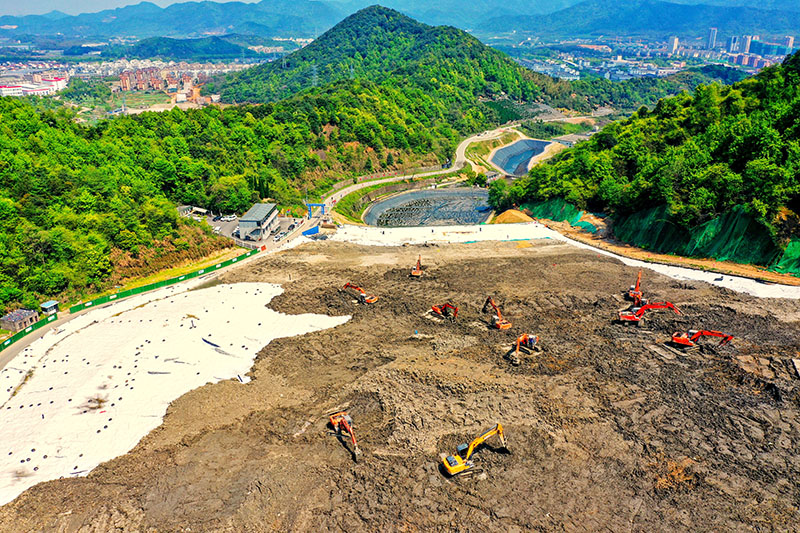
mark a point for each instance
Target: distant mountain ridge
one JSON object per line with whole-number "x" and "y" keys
{"x": 780, "y": 5}
{"x": 268, "y": 18}
{"x": 650, "y": 17}
{"x": 308, "y": 18}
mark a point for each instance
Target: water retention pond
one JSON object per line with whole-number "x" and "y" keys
{"x": 431, "y": 207}
{"x": 514, "y": 158}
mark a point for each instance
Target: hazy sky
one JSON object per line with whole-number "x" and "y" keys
{"x": 73, "y": 7}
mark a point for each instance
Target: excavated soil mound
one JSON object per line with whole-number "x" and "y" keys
{"x": 512, "y": 216}
{"x": 607, "y": 428}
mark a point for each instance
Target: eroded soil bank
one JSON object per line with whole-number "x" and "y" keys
{"x": 607, "y": 429}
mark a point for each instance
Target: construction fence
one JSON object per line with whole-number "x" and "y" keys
{"x": 33, "y": 327}
{"x": 157, "y": 285}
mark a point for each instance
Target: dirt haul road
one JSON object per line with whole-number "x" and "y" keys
{"x": 607, "y": 429}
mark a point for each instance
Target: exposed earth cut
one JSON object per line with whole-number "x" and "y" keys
{"x": 607, "y": 428}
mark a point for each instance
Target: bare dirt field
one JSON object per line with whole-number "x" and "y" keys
{"x": 608, "y": 429}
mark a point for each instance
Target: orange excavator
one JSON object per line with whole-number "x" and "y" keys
{"x": 525, "y": 343}
{"x": 416, "y": 272}
{"x": 635, "y": 315}
{"x": 342, "y": 425}
{"x": 688, "y": 340}
{"x": 362, "y": 296}
{"x": 447, "y": 310}
{"x": 459, "y": 463}
{"x": 635, "y": 293}
{"x": 497, "y": 319}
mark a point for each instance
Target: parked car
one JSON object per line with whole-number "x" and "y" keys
{"x": 291, "y": 227}
{"x": 216, "y": 218}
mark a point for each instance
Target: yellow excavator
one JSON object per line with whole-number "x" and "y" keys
{"x": 459, "y": 464}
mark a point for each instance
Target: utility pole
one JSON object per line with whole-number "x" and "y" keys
{"x": 314, "y": 76}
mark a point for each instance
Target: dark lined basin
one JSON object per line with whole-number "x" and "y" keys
{"x": 431, "y": 207}
{"x": 514, "y": 158}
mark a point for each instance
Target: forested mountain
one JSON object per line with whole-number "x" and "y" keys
{"x": 164, "y": 47}
{"x": 697, "y": 156}
{"x": 233, "y": 46}
{"x": 385, "y": 46}
{"x": 465, "y": 15}
{"x": 652, "y": 18}
{"x": 306, "y": 18}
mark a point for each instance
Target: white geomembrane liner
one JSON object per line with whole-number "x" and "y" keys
{"x": 375, "y": 236}
{"x": 136, "y": 357}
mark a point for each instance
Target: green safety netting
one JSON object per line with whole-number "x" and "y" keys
{"x": 651, "y": 229}
{"x": 734, "y": 236}
{"x": 588, "y": 226}
{"x": 789, "y": 262}
{"x": 554, "y": 209}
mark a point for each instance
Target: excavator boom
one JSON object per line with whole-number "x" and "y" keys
{"x": 417, "y": 270}
{"x": 342, "y": 423}
{"x": 635, "y": 314}
{"x": 689, "y": 339}
{"x": 460, "y": 463}
{"x": 447, "y": 310}
{"x": 362, "y": 295}
{"x": 635, "y": 292}
{"x": 498, "y": 321}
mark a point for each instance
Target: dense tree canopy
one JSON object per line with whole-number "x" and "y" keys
{"x": 387, "y": 47}
{"x": 75, "y": 200}
{"x": 698, "y": 154}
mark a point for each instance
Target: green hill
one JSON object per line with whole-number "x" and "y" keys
{"x": 389, "y": 48}
{"x": 725, "y": 157}
{"x": 205, "y": 48}
{"x": 383, "y": 45}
